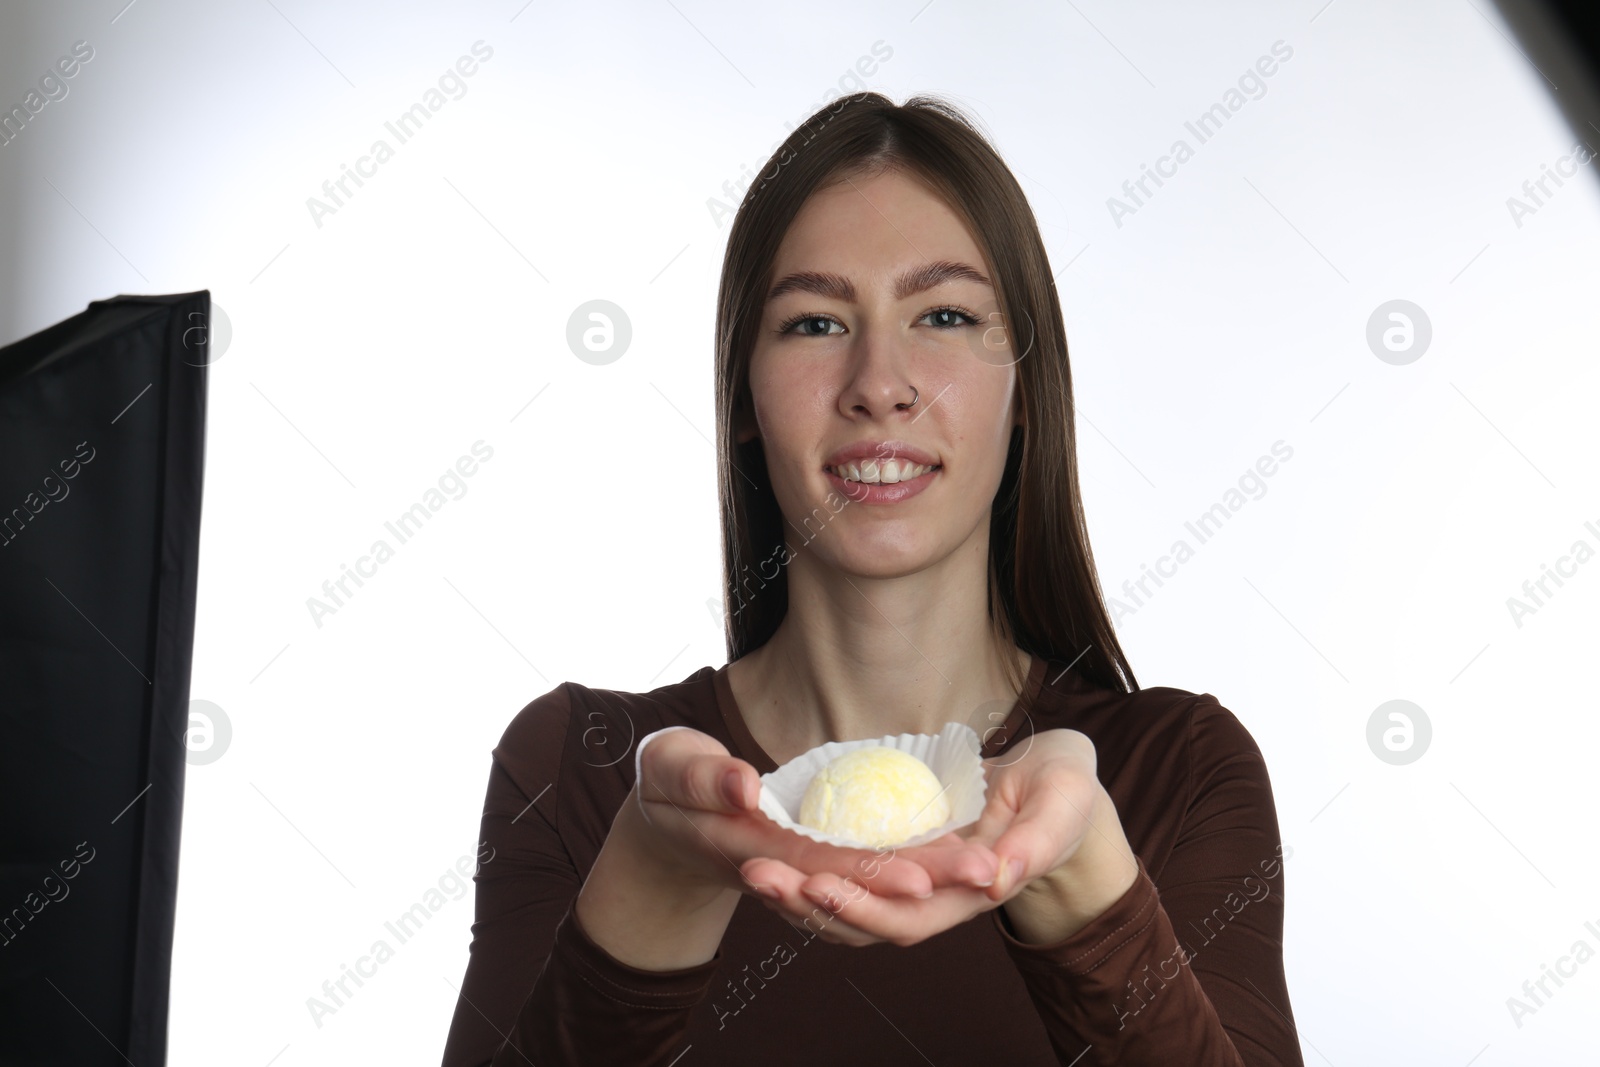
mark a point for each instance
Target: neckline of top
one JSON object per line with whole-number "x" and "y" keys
{"x": 749, "y": 750}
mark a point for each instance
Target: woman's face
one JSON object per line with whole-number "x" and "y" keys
{"x": 862, "y": 281}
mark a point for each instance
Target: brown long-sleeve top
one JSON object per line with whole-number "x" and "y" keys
{"x": 1185, "y": 968}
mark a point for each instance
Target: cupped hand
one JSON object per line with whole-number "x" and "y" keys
{"x": 1036, "y": 812}
{"x": 698, "y": 819}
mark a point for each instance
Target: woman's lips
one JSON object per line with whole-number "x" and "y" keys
{"x": 864, "y": 493}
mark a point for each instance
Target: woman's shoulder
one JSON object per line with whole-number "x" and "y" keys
{"x": 1167, "y": 713}
{"x": 568, "y": 754}
{"x": 1176, "y": 762}
{"x": 590, "y": 726}
{"x": 1180, "y": 737}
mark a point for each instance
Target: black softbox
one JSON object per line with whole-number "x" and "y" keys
{"x": 102, "y": 432}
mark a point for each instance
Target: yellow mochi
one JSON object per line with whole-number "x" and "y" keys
{"x": 877, "y": 795}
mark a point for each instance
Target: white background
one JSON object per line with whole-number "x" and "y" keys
{"x": 1228, "y": 313}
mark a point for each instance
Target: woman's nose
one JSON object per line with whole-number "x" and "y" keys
{"x": 882, "y": 380}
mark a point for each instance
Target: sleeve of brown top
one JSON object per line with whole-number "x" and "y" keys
{"x": 570, "y": 1002}
{"x": 1187, "y": 968}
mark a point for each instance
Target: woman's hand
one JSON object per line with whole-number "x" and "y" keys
{"x": 693, "y": 816}
{"x": 1046, "y": 811}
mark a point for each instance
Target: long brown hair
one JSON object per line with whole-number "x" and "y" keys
{"x": 1043, "y": 593}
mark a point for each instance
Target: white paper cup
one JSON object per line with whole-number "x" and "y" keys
{"x": 953, "y": 754}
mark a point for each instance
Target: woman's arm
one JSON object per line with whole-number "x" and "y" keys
{"x": 632, "y": 957}
{"x": 538, "y": 987}
{"x": 1188, "y": 973}
{"x": 638, "y": 915}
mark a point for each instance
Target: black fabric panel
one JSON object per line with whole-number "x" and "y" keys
{"x": 1561, "y": 38}
{"x": 97, "y": 587}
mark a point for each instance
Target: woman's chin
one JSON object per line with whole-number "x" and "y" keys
{"x": 872, "y": 560}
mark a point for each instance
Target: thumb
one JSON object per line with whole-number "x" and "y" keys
{"x": 691, "y": 769}
{"x": 738, "y": 788}
{"x": 717, "y": 782}
{"x": 990, "y": 825}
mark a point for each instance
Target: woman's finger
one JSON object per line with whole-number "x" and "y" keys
{"x": 951, "y": 861}
{"x": 688, "y": 769}
{"x": 998, "y": 811}
{"x": 763, "y": 870}
{"x": 890, "y": 872}
{"x": 858, "y": 913}
{"x": 811, "y": 918}
{"x": 1051, "y": 822}
{"x": 913, "y": 872}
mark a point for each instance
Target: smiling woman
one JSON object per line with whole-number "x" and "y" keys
{"x": 890, "y": 352}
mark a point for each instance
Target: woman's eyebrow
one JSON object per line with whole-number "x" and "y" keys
{"x": 913, "y": 281}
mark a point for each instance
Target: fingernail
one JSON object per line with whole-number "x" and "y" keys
{"x": 1013, "y": 871}
{"x": 733, "y": 786}
{"x": 982, "y": 881}
{"x": 767, "y": 891}
{"x": 822, "y": 900}
{"x": 924, "y": 896}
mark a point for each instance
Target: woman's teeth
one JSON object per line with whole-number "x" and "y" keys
{"x": 881, "y": 472}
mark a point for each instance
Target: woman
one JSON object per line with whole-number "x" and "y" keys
{"x": 904, "y": 546}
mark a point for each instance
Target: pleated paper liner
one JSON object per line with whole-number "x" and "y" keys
{"x": 953, "y": 755}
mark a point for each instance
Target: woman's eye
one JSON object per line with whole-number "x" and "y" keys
{"x": 951, "y": 318}
{"x": 804, "y": 324}
{"x": 946, "y": 318}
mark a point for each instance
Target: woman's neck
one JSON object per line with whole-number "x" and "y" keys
{"x": 857, "y": 658}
